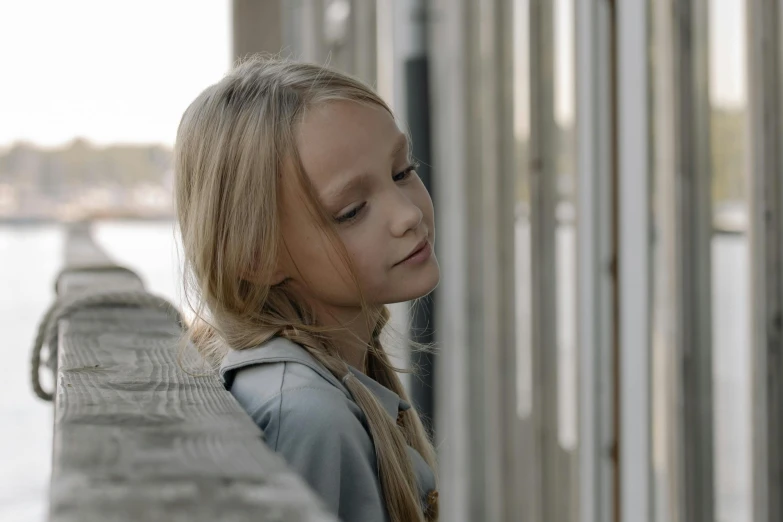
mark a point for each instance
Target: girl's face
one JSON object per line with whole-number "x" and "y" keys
{"x": 359, "y": 165}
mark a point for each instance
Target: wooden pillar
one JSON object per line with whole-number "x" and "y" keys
{"x": 257, "y": 27}
{"x": 543, "y": 190}
{"x": 472, "y": 148}
{"x": 595, "y": 261}
{"x": 765, "y": 82}
{"x": 634, "y": 259}
{"x": 683, "y": 197}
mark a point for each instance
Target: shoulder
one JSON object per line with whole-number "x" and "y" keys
{"x": 256, "y": 375}
{"x": 323, "y": 420}
{"x": 313, "y": 424}
{"x": 321, "y": 436}
{"x": 294, "y": 400}
{"x": 318, "y": 430}
{"x": 256, "y": 385}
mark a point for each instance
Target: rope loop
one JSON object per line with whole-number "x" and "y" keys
{"x": 65, "y": 306}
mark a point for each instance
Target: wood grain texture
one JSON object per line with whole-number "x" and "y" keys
{"x": 136, "y": 438}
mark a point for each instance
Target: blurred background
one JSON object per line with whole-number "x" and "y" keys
{"x": 607, "y": 183}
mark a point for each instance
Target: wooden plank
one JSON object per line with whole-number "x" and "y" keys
{"x": 137, "y": 438}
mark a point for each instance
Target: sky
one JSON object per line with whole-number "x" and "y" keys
{"x": 727, "y": 56}
{"x": 124, "y": 72}
{"x": 104, "y": 70}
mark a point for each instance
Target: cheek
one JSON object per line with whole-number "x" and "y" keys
{"x": 369, "y": 251}
{"x": 311, "y": 253}
{"x": 366, "y": 252}
{"x": 326, "y": 264}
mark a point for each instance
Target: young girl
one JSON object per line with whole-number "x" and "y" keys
{"x": 302, "y": 217}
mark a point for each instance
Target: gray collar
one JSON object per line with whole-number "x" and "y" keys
{"x": 390, "y": 401}
{"x": 278, "y": 349}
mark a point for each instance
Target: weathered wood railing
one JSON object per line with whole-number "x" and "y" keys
{"x": 136, "y": 437}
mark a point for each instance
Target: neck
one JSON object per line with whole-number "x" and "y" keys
{"x": 352, "y": 334}
{"x": 353, "y": 354}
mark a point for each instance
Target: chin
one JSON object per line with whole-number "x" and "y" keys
{"x": 410, "y": 288}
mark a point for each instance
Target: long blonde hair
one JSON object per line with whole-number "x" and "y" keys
{"x": 234, "y": 144}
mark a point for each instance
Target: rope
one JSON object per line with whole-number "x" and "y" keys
{"x": 64, "y": 306}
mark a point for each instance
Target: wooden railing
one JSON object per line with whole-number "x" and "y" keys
{"x": 136, "y": 438}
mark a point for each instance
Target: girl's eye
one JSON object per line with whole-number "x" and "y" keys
{"x": 351, "y": 214}
{"x": 405, "y": 174}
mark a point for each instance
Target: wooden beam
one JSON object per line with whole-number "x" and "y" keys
{"x": 138, "y": 438}
{"x": 88, "y": 267}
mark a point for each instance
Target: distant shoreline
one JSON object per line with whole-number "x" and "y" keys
{"x": 39, "y": 221}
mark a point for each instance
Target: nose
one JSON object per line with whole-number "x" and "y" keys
{"x": 405, "y": 214}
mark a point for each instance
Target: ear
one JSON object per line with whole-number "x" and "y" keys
{"x": 277, "y": 278}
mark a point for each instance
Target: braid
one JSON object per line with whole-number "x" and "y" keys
{"x": 398, "y": 479}
{"x": 390, "y": 436}
{"x": 283, "y": 317}
{"x": 380, "y": 368}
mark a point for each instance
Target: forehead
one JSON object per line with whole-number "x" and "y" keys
{"x": 342, "y": 138}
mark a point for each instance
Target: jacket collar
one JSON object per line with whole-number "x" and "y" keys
{"x": 390, "y": 401}
{"x": 278, "y": 349}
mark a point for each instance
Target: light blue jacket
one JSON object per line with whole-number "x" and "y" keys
{"x": 310, "y": 418}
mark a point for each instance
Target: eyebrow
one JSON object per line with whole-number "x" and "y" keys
{"x": 401, "y": 143}
{"x": 335, "y": 194}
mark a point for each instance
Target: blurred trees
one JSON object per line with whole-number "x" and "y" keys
{"x": 82, "y": 164}
{"x": 81, "y": 179}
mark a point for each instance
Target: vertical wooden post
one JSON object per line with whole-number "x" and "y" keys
{"x": 634, "y": 259}
{"x": 683, "y": 196}
{"x": 765, "y": 96}
{"x": 543, "y": 189}
{"x": 453, "y": 319}
{"x": 595, "y": 255}
{"x": 693, "y": 269}
{"x": 472, "y": 149}
{"x": 257, "y": 27}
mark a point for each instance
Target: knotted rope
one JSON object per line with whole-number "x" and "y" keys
{"x": 64, "y": 306}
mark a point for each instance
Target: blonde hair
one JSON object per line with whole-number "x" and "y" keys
{"x": 234, "y": 144}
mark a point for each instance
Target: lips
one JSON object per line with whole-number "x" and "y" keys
{"x": 415, "y": 251}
